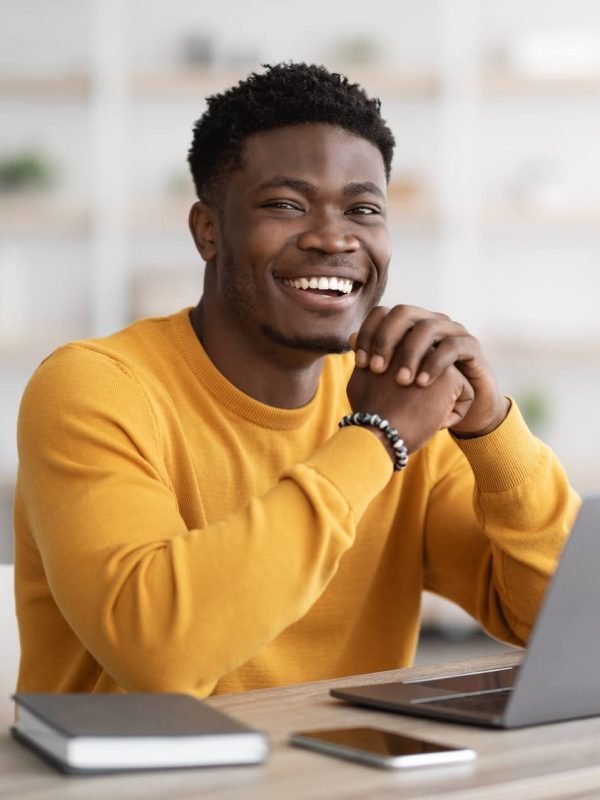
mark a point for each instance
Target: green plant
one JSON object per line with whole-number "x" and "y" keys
{"x": 26, "y": 170}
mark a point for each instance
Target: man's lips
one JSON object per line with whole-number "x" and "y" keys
{"x": 320, "y": 292}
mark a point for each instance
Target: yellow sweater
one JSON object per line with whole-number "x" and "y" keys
{"x": 174, "y": 534}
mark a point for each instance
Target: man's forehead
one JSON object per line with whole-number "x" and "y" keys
{"x": 309, "y": 153}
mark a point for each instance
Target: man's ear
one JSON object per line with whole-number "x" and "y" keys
{"x": 203, "y": 222}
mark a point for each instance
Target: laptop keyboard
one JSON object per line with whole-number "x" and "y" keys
{"x": 490, "y": 702}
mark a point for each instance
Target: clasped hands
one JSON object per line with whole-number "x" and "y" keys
{"x": 423, "y": 372}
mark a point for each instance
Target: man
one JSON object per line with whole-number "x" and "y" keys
{"x": 191, "y": 517}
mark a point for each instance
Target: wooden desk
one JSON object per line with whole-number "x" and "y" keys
{"x": 541, "y": 763}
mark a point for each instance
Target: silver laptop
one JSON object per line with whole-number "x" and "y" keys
{"x": 559, "y": 677}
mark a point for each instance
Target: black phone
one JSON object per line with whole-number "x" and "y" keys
{"x": 381, "y": 748}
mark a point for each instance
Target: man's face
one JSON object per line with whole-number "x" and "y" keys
{"x": 303, "y": 244}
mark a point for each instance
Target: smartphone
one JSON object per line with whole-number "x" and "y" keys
{"x": 381, "y": 748}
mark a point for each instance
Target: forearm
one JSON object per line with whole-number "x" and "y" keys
{"x": 515, "y": 519}
{"x": 161, "y": 606}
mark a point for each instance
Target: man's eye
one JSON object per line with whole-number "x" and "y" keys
{"x": 284, "y": 204}
{"x": 364, "y": 210}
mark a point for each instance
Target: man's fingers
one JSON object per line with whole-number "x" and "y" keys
{"x": 383, "y": 331}
{"x": 366, "y": 333}
{"x": 464, "y": 396}
{"x": 451, "y": 350}
{"x": 418, "y": 349}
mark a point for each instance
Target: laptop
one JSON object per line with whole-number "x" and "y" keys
{"x": 559, "y": 676}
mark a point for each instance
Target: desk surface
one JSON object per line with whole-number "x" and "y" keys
{"x": 541, "y": 763}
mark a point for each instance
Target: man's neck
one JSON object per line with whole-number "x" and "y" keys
{"x": 270, "y": 373}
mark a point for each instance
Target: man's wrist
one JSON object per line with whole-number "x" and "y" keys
{"x": 376, "y": 432}
{"x": 489, "y": 428}
{"x": 389, "y": 435}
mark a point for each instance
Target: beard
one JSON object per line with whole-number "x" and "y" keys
{"x": 239, "y": 294}
{"x": 320, "y": 345}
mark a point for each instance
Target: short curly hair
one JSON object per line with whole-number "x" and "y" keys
{"x": 285, "y": 94}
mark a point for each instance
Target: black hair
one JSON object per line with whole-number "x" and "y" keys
{"x": 285, "y": 94}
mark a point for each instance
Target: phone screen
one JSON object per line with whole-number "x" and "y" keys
{"x": 375, "y": 740}
{"x": 381, "y": 747}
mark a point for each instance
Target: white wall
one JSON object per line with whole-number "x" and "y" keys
{"x": 511, "y": 276}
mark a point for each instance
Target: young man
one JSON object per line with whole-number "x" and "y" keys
{"x": 191, "y": 517}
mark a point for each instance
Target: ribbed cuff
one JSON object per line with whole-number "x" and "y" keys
{"x": 356, "y": 462}
{"x": 502, "y": 459}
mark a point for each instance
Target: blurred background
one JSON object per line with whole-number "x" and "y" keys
{"x": 494, "y": 199}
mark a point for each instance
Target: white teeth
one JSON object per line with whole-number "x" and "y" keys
{"x": 332, "y": 284}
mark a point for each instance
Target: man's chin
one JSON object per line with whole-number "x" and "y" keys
{"x": 320, "y": 345}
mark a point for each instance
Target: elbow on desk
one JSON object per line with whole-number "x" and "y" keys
{"x": 162, "y": 663}
{"x": 155, "y": 647}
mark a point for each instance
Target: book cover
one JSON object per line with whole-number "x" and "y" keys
{"x": 105, "y": 732}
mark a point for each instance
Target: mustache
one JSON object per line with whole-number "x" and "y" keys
{"x": 335, "y": 260}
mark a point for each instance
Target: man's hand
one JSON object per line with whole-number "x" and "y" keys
{"x": 417, "y": 412}
{"x": 417, "y": 347}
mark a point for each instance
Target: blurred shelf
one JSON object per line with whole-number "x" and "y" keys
{"x": 506, "y": 83}
{"x": 394, "y": 82}
{"x": 71, "y": 84}
{"x": 185, "y": 81}
{"x": 527, "y": 218}
{"x": 155, "y": 291}
{"x": 208, "y": 80}
{"x": 165, "y": 215}
{"x": 33, "y": 213}
{"x": 550, "y": 348}
{"x": 413, "y": 219}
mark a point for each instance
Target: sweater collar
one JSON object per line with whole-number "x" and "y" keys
{"x": 225, "y": 392}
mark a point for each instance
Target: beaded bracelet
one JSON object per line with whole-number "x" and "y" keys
{"x": 391, "y": 434}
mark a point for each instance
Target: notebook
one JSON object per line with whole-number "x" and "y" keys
{"x": 558, "y": 678}
{"x": 112, "y": 732}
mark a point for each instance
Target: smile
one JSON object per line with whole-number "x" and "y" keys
{"x": 321, "y": 284}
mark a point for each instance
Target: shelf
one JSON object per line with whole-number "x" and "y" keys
{"x": 168, "y": 215}
{"x": 506, "y": 83}
{"x": 182, "y": 81}
{"x": 74, "y": 84}
{"x": 415, "y": 219}
{"x": 525, "y": 219}
{"x": 29, "y": 213}
{"x": 580, "y": 350}
{"x": 205, "y": 81}
{"x": 393, "y": 82}
{"x": 375, "y": 79}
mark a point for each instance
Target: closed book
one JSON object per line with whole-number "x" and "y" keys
{"x": 110, "y": 732}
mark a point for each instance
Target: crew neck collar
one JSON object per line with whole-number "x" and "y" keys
{"x": 226, "y": 392}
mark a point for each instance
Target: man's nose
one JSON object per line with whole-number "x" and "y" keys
{"x": 328, "y": 234}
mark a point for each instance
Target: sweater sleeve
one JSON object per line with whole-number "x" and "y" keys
{"x": 161, "y": 607}
{"x": 496, "y": 524}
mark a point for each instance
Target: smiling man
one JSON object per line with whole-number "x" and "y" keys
{"x": 255, "y": 491}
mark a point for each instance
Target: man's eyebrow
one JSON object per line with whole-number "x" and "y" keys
{"x": 350, "y": 189}
{"x": 364, "y": 187}
{"x": 283, "y": 182}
